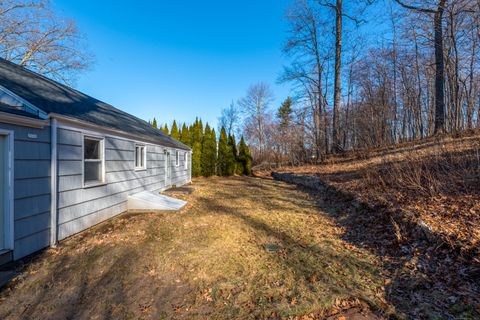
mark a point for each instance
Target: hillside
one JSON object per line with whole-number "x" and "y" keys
{"x": 418, "y": 203}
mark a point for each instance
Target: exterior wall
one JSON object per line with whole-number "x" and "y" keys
{"x": 31, "y": 189}
{"x": 79, "y": 207}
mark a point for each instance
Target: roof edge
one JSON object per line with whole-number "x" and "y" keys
{"x": 20, "y": 120}
{"x": 143, "y": 138}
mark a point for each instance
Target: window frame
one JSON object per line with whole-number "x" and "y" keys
{"x": 185, "y": 159}
{"x": 177, "y": 158}
{"x": 144, "y": 157}
{"x": 101, "y": 140}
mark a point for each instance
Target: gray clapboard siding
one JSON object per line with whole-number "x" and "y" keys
{"x": 31, "y": 206}
{"x": 69, "y": 167}
{"x": 27, "y": 188}
{"x": 87, "y": 221}
{"x": 71, "y": 182}
{"x": 31, "y": 169}
{"x": 31, "y": 243}
{"x": 31, "y": 188}
{"x": 69, "y": 152}
{"x": 32, "y": 150}
{"x": 80, "y": 208}
{"x": 31, "y": 225}
{"x": 69, "y": 137}
{"x": 119, "y": 155}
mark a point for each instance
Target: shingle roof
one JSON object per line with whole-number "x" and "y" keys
{"x": 54, "y": 97}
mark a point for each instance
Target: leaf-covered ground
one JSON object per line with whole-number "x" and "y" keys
{"x": 243, "y": 248}
{"x": 417, "y": 207}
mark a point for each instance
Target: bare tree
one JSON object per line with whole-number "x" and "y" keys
{"x": 311, "y": 51}
{"x": 230, "y": 119}
{"x": 255, "y": 105}
{"x": 436, "y": 8}
{"x": 337, "y": 90}
{"x": 34, "y": 37}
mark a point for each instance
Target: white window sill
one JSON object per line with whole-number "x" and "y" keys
{"x": 140, "y": 169}
{"x": 93, "y": 184}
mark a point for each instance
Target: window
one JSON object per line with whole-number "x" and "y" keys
{"x": 140, "y": 157}
{"x": 185, "y": 159}
{"x": 93, "y": 157}
{"x": 177, "y": 158}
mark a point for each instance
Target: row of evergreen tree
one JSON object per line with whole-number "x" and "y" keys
{"x": 211, "y": 157}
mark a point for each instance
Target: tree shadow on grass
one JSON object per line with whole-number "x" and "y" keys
{"x": 104, "y": 280}
{"x": 323, "y": 272}
{"x": 427, "y": 279}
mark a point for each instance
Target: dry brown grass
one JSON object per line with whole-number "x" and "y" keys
{"x": 243, "y": 248}
{"x": 420, "y": 210}
{"x": 437, "y": 181}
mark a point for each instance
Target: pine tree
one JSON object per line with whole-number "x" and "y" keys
{"x": 209, "y": 152}
{"x": 185, "y": 136}
{"x": 154, "y": 124}
{"x": 165, "y": 128}
{"x": 174, "y": 131}
{"x": 244, "y": 158}
{"x": 284, "y": 113}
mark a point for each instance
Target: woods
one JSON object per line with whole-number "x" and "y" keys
{"x": 368, "y": 74}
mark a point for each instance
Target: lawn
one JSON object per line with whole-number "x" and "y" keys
{"x": 241, "y": 248}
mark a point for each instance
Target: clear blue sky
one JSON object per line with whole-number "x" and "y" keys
{"x": 179, "y": 59}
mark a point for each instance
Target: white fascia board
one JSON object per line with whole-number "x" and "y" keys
{"x": 11, "y": 118}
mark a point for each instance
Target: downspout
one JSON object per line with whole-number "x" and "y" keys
{"x": 53, "y": 182}
{"x": 190, "y": 166}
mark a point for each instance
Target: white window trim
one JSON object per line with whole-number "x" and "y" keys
{"x": 101, "y": 139}
{"x": 168, "y": 178}
{"x": 144, "y": 155}
{"x": 8, "y": 188}
{"x": 185, "y": 159}
{"x": 177, "y": 158}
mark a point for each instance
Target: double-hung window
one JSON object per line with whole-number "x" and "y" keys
{"x": 93, "y": 160}
{"x": 140, "y": 157}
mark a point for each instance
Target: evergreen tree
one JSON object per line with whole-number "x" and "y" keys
{"x": 284, "y": 113}
{"x": 244, "y": 158}
{"x": 209, "y": 152}
{"x": 225, "y": 156}
{"x": 174, "y": 131}
{"x": 185, "y": 135}
{"x": 232, "y": 159}
{"x": 154, "y": 124}
{"x": 165, "y": 128}
{"x": 197, "y": 135}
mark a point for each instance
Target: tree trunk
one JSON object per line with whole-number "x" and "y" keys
{"x": 338, "y": 67}
{"x": 439, "y": 72}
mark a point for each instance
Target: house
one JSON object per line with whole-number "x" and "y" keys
{"x": 69, "y": 161}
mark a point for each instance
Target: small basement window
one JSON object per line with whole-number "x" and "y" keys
{"x": 140, "y": 157}
{"x": 93, "y": 160}
{"x": 177, "y": 158}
